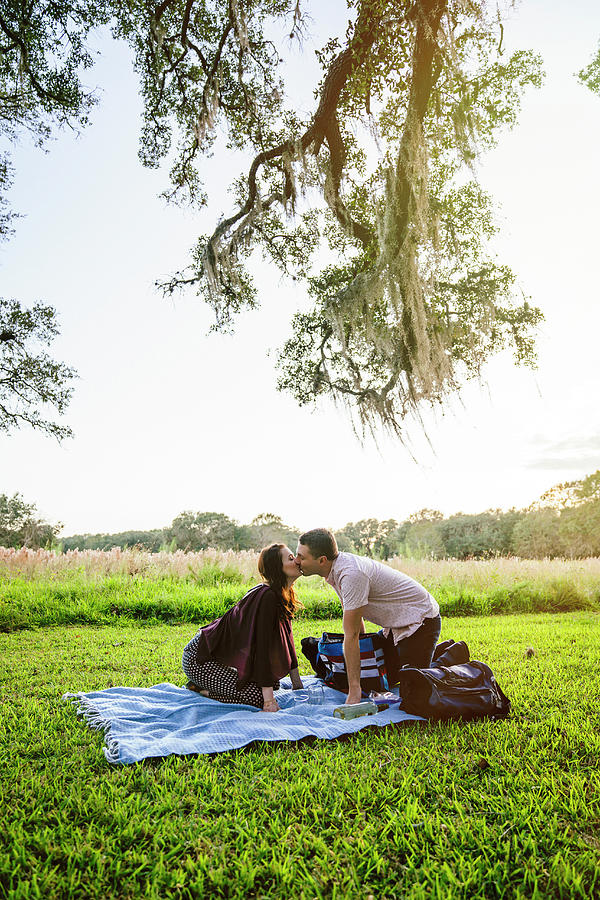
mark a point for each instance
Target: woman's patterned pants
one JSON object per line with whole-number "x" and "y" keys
{"x": 221, "y": 682}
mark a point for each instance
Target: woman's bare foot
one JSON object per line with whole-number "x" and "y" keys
{"x": 194, "y": 687}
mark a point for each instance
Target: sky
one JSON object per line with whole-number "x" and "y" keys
{"x": 168, "y": 416}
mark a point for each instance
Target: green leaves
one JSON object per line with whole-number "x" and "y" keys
{"x": 43, "y": 52}
{"x": 590, "y": 76}
{"x": 21, "y": 527}
{"x": 411, "y": 300}
{"x": 30, "y": 380}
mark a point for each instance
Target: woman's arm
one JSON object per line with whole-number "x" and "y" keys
{"x": 296, "y": 680}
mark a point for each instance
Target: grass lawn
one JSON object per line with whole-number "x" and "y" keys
{"x": 120, "y": 600}
{"x": 509, "y": 809}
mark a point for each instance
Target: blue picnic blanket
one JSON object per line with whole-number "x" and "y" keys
{"x": 156, "y": 721}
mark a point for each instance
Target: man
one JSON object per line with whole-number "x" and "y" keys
{"x": 408, "y": 614}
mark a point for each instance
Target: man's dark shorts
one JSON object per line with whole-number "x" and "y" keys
{"x": 415, "y": 650}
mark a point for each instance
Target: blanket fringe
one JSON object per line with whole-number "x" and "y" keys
{"x": 86, "y": 709}
{"x": 111, "y": 751}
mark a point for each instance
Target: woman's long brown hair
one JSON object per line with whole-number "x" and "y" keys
{"x": 270, "y": 567}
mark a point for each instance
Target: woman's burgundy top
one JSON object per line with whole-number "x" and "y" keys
{"x": 254, "y": 636}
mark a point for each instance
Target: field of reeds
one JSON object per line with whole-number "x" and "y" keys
{"x": 40, "y": 587}
{"x": 27, "y": 563}
{"x": 474, "y": 574}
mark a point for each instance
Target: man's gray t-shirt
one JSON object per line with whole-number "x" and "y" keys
{"x": 385, "y": 596}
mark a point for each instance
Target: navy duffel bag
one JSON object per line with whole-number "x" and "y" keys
{"x": 465, "y": 691}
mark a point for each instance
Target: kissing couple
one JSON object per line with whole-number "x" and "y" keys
{"x": 242, "y": 655}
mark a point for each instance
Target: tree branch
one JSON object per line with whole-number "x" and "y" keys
{"x": 324, "y": 124}
{"x": 337, "y": 157}
{"x": 42, "y": 92}
{"x": 186, "y": 21}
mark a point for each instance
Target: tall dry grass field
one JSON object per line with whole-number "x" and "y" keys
{"x": 27, "y": 563}
{"x": 475, "y": 575}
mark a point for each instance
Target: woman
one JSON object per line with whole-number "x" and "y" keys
{"x": 240, "y": 657}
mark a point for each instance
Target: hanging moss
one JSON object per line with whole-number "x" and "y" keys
{"x": 416, "y": 301}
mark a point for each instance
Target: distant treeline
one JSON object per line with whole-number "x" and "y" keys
{"x": 193, "y": 531}
{"x": 564, "y": 522}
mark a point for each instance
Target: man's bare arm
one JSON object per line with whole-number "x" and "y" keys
{"x": 353, "y": 624}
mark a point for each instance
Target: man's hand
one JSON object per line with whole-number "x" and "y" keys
{"x": 296, "y": 680}
{"x": 353, "y": 697}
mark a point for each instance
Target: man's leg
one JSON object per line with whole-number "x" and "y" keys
{"x": 417, "y": 649}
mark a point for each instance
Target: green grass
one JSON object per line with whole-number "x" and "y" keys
{"x": 410, "y": 812}
{"x": 81, "y": 599}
